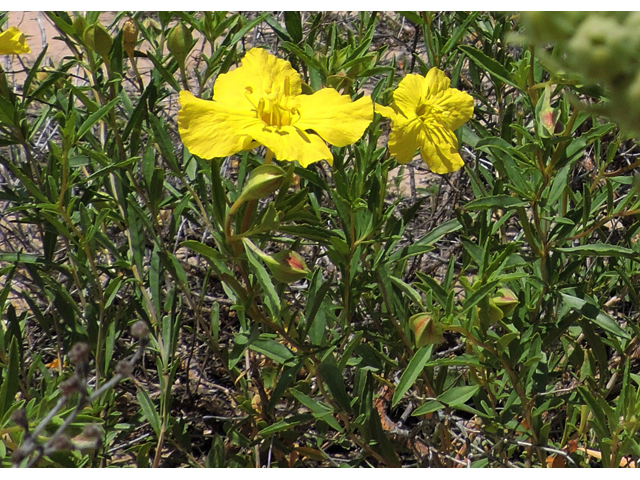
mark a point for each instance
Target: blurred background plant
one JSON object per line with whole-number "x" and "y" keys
{"x": 372, "y": 314}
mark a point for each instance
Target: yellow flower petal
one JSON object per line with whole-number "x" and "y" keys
{"x": 289, "y": 143}
{"x": 439, "y": 149}
{"x": 404, "y": 140}
{"x": 334, "y": 117}
{"x": 436, "y": 81}
{"x": 211, "y": 130}
{"x": 411, "y": 90}
{"x": 13, "y": 41}
{"x": 457, "y": 108}
{"x": 261, "y": 75}
{"x": 388, "y": 112}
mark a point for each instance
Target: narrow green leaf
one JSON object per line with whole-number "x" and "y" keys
{"x": 489, "y": 64}
{"x": 332, "y": 376}
{"x": 149, "y": 410}
{"x": 593, "y": 313}
{"x": 409, "y": 376}
{"x": 319, "y": 411}
{"x": 600, "y": 250}
{"x": 96, "y": 117}
{"x": 458, "y": 395}
{"x": 428, "y": 407}
{"x": 497, "y": 201}
{"x": 272, "y": 349}
{"x": 10, "y": 383}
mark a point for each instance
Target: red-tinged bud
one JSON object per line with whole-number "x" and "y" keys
{"x": 426, "y": 330}
{"x": 288, "y": 267}
{"x": 506, "y": 301}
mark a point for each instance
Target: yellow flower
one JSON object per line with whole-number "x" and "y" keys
{"x": 12, "y": 41}
{"x": 424, "y": 114}
{"x": 260, "y": 103}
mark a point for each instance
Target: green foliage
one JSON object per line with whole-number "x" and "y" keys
{"x": 279, "y": 299}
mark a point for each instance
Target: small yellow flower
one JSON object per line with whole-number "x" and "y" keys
{"x": 13, "y": 42}
{"x": 424, "y": 114}
{"x": 260, "y": 103}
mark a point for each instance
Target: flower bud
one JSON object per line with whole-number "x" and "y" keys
{"x": 79, "y": 353}
{"x": 426, "y": 330}
{"x": 264, "y": 180}
{"x": 139, "y": 329}
{"x": 179, "y": 42}
{"x": 98, "y": 39}
{"x": 288, "y": 266}
{"x": 129, "y": 36}
{"x": 488, "y": 312}
{"x": 80, "y": 25}
{"x": 506, "y": 301}
{"x": 19, "y": 417}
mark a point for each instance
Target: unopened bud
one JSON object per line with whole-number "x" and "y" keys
{"x": 79, "y": 353}
{"x": 488, "y": 312}
{"x": 506, "y": 300}
{"x": 288, "y": 267}
{"x": 98, "y": 39}
{"x": 62, "y": 442}
{"x": 80, "y": 25}
{"x": 129, "y": 36}
{"x": 179, "y": 42}
{"x": 264, "y": 180}
{"x": 139, "y": 329}
{"x": 426, "y": 330}
{"x": 124, "y": 368}
{"x": 70, "y": 386}
{"x": 19, "y": 417}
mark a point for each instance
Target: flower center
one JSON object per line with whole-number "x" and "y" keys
{"x": 276, "y": 113}
{"x": 428, "y": 112}
{"x": 276, "y": 108}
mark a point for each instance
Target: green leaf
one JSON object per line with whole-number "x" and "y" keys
{"x": 409, "y": 376}
{"x": 294, "y": 25}
{"x": 319, "y": 411}
{"x": 489, "y": 64}
{"x": 165, "y": 144}
{"x": 600, "y": 250}
{"x": 458, "y": 395}
{"x": 497, "y": 201}
{"x": 593, "y": 313}
{"x": 272, "y": 349}
{"x": 430, "y": 406}
{"x": 10, "y": 383}
{"x": 286, "y": 379}
{"x": 96, "y": 117}
{"x": 149, "y": 410}
{"x": 332, "y": 376}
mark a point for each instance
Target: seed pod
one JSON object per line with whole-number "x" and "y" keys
{"x": 179, "y": 42}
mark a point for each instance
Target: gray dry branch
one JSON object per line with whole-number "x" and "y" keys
{"x": 31, "y": 450}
